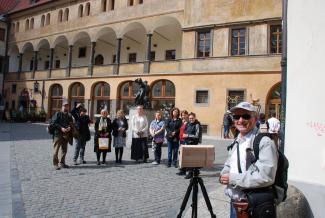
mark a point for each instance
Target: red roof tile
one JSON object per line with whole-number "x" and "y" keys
{"x": 18, "y": 5}
{"x": 7, "y": 5}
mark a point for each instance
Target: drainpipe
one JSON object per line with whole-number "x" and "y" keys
{"x": 5, "y": 65}
{"x": 284, "y": 73}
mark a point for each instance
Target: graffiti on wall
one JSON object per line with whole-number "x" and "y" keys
{"x": 317, "y": 127}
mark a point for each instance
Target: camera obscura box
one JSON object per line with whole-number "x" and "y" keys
{"x": 192, "y": 156}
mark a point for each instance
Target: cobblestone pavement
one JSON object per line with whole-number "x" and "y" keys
{"x": 111, "y": 190}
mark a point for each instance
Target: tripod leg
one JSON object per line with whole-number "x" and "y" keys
{"x": 186, "y": 197}
{"x": 194, "y": 198}
{"x": 206, "y": 198}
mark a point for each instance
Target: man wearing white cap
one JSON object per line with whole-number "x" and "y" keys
{"x": 62, "y": 122}
{"x": 240, "y": 172}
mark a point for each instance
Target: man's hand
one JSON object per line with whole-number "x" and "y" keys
{"x": 224, "y": 179}
{"x": 185, "y": 135}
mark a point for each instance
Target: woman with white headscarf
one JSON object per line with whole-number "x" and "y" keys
{"x": 103, "y": 129}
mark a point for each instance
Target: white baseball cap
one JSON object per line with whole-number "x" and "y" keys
{"x": 245, "y": 106}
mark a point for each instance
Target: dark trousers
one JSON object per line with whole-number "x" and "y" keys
{"x": 98, "y": 155}
{"x": 157, "y": 151}
{"x": 118, "y": 154}
{"x": 172, "y": 152}
{"x": 80, "y": 148}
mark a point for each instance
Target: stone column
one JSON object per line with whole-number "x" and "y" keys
{"x": 20, "y": 65}
{"x": 68, "y": 71}
{"x": 92, "y": 58}
{"x": 118, "y": 56}
{"x": 51, "y": 63}
{"x": 146, "y": 68}
{"x": 34, "y": 63}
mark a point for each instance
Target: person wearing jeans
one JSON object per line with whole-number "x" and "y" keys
{"x": 157, "y": 131}
{"x": 173, "y": 129}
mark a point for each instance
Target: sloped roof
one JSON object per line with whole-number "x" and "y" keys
{"x": 7, "y": 5}
{"x": 12, "y": 6}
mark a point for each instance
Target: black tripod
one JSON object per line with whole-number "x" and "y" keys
{"x": 194, "y": 185}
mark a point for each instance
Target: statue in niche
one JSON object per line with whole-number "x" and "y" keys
{"x": 142, "y": 96}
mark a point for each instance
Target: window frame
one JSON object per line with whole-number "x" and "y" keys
{"x": 203, "y": 104}
{"x": 270, "y": 38}
{"x": 170, "y": 50}
{"x": 235, "y": 90}
{"x": 197, "y": 41}
{"x": 231, "y": 40}
{"x": 131, "y": 60}
{"x": 80, "y": 52}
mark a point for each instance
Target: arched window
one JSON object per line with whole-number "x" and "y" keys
{"x": 60, "y": 16}
{"x": 55, "y": 98}
{"x": 66, "y": 14}
{"x": 17, "y": 27}
{"x": 13, "y": 28}
{"x": 111, "y": 5}
{"x": 31, "y": 25}
{"x": 27, "y": 25}
{"x": 80, "y": 10}
{"x": 42, "y": 20}
{"x": 99, "y": 60}
{"x": 104, "y": 5}
{"x": 87, "y": 9}
{"x": 127, "y": 95}
{"x": 48, "y": 19}
{"x": 77, "y": 94}
{"x": 162, "y": 93}
{"x": 273, "y": 103}
{"x": 101, "y": 97}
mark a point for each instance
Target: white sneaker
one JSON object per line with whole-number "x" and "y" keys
{"x": 155, "y": 163}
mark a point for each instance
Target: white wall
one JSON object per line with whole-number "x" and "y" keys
{"x": 305, "y": 117}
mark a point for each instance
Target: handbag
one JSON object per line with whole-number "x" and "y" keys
{"x": 261, "y": 202}
{"x": 103, "y": 143}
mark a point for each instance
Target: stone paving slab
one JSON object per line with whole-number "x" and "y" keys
{"x": 112, "y": 190}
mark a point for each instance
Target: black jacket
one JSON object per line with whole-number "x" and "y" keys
{"x": 115, "y": 127}
{"x": 193, "y": 131}
{"x": 173, "y": 126}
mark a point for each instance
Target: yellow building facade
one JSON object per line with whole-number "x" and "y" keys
{"x": 203, "y": 56}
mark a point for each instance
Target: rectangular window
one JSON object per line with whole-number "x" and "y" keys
{"x": 13, "y": 104}
{"x": 82, "y": 52}
{"x": 202, "y": 97}
{"x": 2, "y": 34}
{"x": 46, "y": 65}
{"x": 204, "y": 128}
{"x": 152, "y": 55}
{"x": 112, "y": 5}
{"x": 130, "y": 2}
{"x": 57, "y": 64}
{"x": 276, "y": 39}
{"x": 132, "y": 57}
{"x": 114, "y": 59}
{"x": 140, "y": 1}
{"x": 238, "y": 41}
{"x": 13, "y": 88}
{"x": 234, "y": 97}
{"x": 170, "y": 55}
{"x": 203, "y": 44}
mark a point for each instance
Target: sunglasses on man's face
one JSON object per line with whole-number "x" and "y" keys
{"x": 244, "y": 116}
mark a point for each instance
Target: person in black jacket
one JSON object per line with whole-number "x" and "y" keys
{"x": 120, "y": 126}
{"x": 62, "y": 122}
{"x": 83, "y": 136}
{"x": 192, "y": 135}
{"x": 173, "y": 127}
{"x": 103, "y": 129}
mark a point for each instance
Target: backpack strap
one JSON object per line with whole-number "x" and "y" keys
{"x": 256, "y": 144}
{"x": 229, "y": 147}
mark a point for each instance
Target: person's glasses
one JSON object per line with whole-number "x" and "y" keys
{"x": 244, "y": 116}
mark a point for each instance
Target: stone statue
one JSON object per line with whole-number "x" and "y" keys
{"x": 142, "y": 96}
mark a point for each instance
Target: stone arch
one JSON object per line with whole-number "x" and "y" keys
{"x": 273, "y": 101}
{"x": 58, "y": 40}
{"x": 132, "y": 26}
{"x": 26, "y": 46}
{"x": 162, "y": 92}
{"x": 41, "y": 43}
{"x": 79, "y": 36}
{"x": 104, "y": 31}
{"x": 165, "y": 21}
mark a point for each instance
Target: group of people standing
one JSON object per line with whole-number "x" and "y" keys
{"x": 181, "y": 128}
